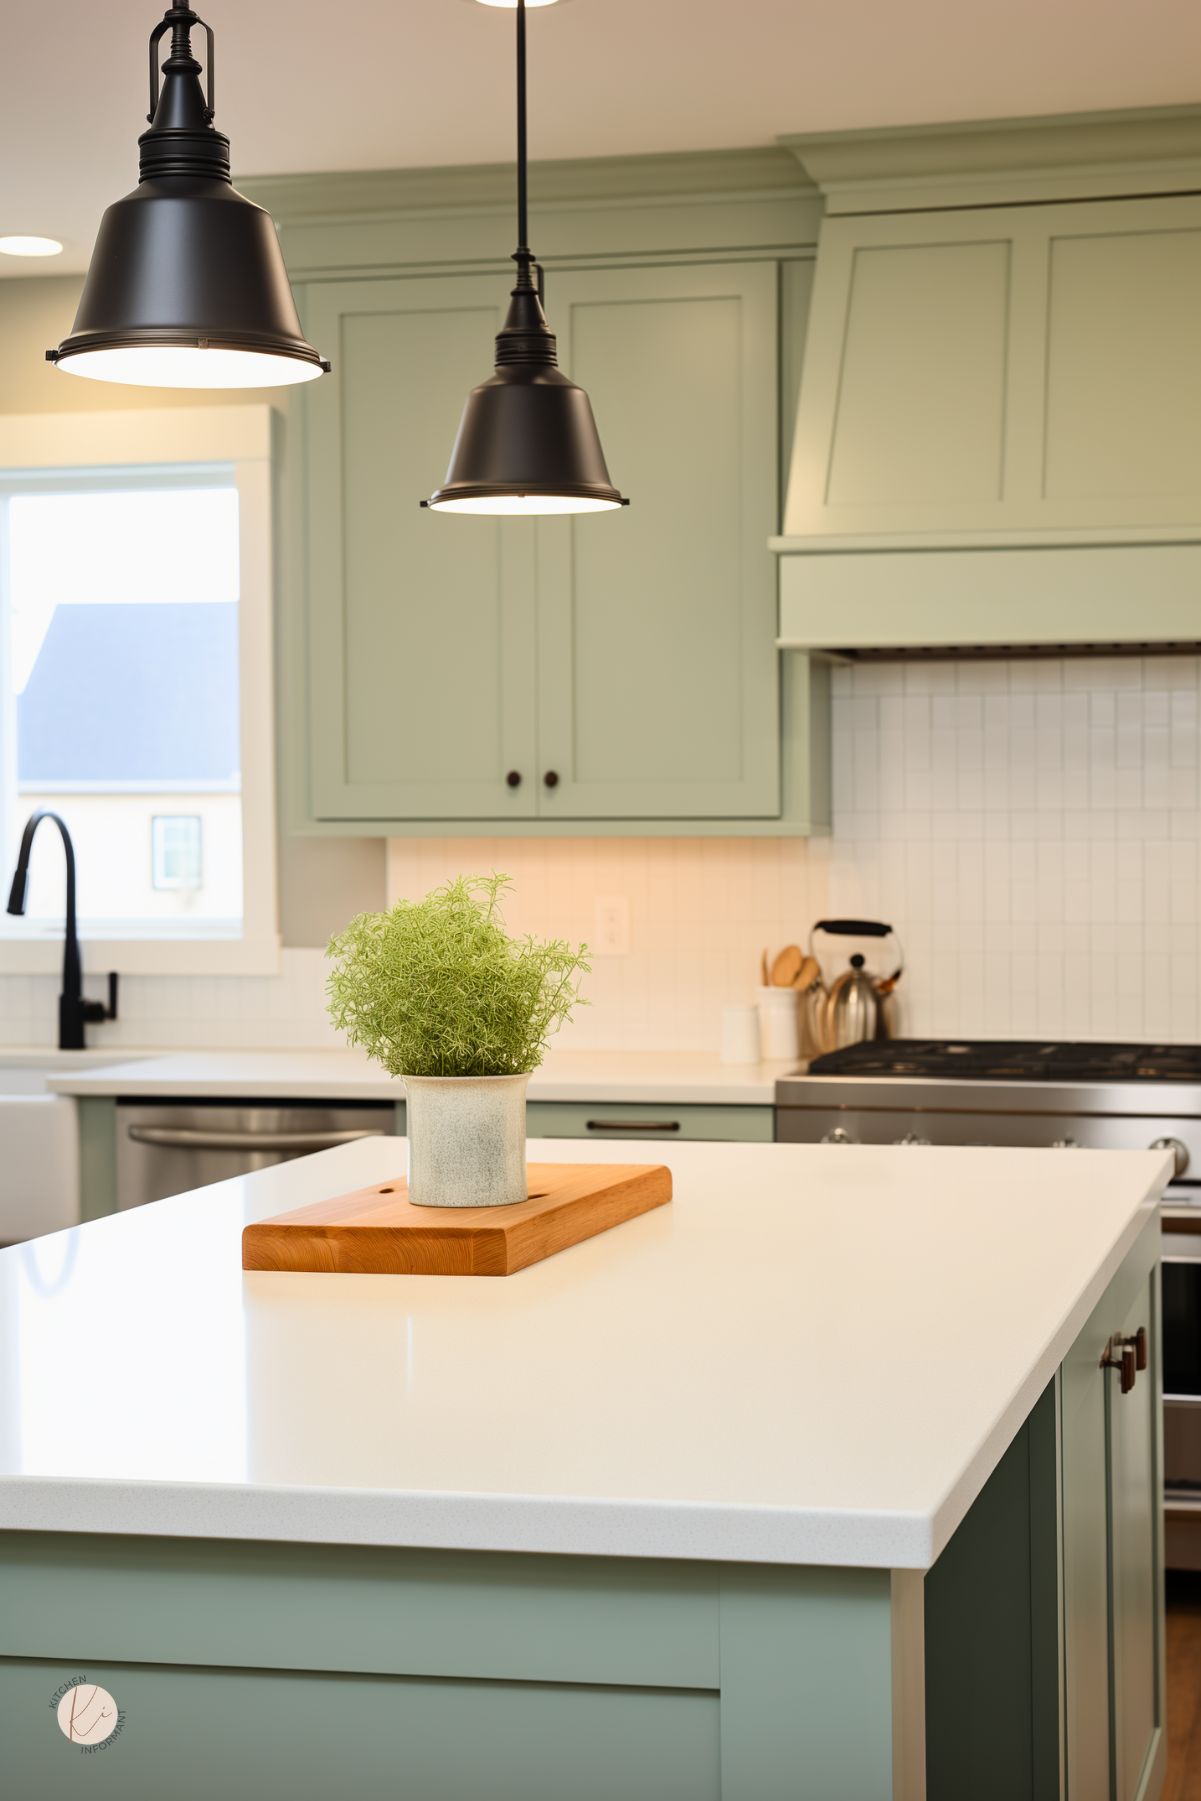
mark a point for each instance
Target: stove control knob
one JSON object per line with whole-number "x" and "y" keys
{"x": 913, "y": 1138}
{"x": 1180, "y": 1158}
{"x": 837, "y": 1135}
{"x": 1064, "y": 1144}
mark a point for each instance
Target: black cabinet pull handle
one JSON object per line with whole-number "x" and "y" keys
{"x": 514, "y": 778}
{"x": 632, "y": 1125}
{"x": 1121, "y": 1354}
{"x": 551, "y": 779}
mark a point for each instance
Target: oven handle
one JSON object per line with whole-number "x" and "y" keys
{"x": 189, "y": 1138}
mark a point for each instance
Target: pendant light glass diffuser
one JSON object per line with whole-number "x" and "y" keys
{"x": 527, "y": 440}
{"x": 187, "y": 286}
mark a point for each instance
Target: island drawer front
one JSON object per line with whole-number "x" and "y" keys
{"x": 355, "y": 1608}
{"x": 193, "y": 1733}
{"x": 603, "y": 1120}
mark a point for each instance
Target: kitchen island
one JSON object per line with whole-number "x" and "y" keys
{"x": 772, "y": 1492}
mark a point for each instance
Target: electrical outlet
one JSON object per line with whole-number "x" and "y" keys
{"x": 611, "y": 937}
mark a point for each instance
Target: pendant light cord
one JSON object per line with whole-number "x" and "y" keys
{"x": 523, "y": 254}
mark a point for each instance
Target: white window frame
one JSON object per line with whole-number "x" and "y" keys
{"x": 175, "y": 440}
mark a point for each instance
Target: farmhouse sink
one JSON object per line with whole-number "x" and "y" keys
{"x": 39, "y": 1142}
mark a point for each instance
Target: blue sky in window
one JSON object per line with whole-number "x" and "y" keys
{"x": 133, "y": 694}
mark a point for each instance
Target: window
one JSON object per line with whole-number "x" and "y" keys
{"x": 177, "y": 852}
{"x": 134, "y": 662}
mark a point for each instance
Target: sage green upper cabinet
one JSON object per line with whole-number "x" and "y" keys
{"x": 658, "y": 672}
{"x": 591, "y": 673}
{"x": 1003, "y": 369}
{"x": 421, "y": 627}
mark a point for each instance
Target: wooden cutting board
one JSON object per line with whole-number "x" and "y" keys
{"x": 378, "y": 1230}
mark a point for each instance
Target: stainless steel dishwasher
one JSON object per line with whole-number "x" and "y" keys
{"x": 165, "y": 1148}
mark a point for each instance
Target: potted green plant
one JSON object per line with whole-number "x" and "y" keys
{"x": 439, "y": 993}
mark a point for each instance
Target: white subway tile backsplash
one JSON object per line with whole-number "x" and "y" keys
{"x": 1085, "y": 915}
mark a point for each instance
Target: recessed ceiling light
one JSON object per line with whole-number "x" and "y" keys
{"x": 27, "y": 246}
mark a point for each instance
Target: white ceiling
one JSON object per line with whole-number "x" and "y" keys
{"x": 357, "y": 84}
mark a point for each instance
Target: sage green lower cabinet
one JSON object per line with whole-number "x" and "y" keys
{"x": 263, "y": 1669}
{"x": 97, "y": 1156}
{"x": 664, "y": 1125}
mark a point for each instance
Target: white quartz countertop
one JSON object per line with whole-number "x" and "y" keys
{"x": 670, "y": 1078}
{"x": 813, "y": 1355}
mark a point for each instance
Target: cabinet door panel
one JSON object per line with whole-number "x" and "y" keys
{"x": 992, "y": 369}
{"x": 421, "y": 626}
{"x": 659, "y": 681}
{"x": 1133, "y": 1421}
{"x": 1086, "y": 1561}
{"x": 1124, "y": 367}
{"x": 921, "y": 400}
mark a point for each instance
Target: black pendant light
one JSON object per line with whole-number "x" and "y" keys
{"x": 187, "y": 286}
{"x": 527, "y": 440}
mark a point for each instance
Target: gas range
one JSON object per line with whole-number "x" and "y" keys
{"x": 1033, "y": 1092}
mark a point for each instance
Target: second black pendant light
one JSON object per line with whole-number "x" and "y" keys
{"x": 527, "y": 440}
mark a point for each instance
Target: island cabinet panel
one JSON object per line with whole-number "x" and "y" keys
{"x": 195, "y": 1733}
{"x": 992, "y": 1634}
{"x": 1003, "y": 369}
{"x": 658, "y": 677}
{"x": 316, "y": 1670}
{"x": 1136, "y": 1574}
{"x": 1112, "y": 1548}
{"x": 420, "y": 628}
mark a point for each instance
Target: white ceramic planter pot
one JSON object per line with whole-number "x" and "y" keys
{"x": 466, "y": 1140}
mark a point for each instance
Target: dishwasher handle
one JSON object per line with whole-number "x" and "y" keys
{"x": 190, "y": 1138}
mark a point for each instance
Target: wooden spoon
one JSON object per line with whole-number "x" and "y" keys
{"x": 808, "y": 975}
{"x": 786, "y": 968}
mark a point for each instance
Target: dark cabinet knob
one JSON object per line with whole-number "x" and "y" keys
{"x": 1140, "y": 1348}
{"x": 514, "y": 778}
{"x": 551, "y": 779}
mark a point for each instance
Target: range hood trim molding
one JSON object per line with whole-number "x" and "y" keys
{"x": 1005, "y": 162}
{"x": 991, "y": 596}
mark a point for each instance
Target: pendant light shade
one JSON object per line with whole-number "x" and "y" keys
{"x": 527, "y": 441}
{"x": 187, "y": 286}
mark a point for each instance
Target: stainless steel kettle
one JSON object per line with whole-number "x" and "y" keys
{"x": 855, "y": 1006}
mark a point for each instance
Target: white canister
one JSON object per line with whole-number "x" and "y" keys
{"x": 779, "y": 1023}
{"x": 740, "y": 1035}
{"x": 466, "y": 1140}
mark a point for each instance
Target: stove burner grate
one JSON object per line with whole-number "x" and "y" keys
{"x": 1008, "y": 1061}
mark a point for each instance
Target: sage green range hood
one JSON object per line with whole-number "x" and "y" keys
{"x": 998, "y": 438}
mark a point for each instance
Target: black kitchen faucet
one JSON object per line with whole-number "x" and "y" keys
{"x": 73, "y": 1011}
